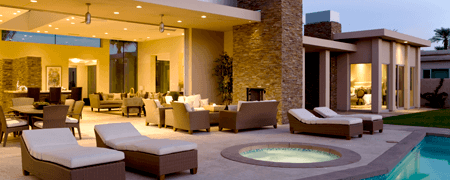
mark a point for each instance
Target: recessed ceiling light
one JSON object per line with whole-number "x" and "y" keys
{"x": 1, "y": 15}
{"x": 46, "y": 31}
{"x": 18, "y": 11}
{"x": 49, "y": 25}
{"x": 139, "y": 7}
{"x": 180, "y": 21}
{"x": 249, "y": 21}
{"x": 148, "y": 37}
{"x": 14, "y": 13}
{"x": 182, "y": 34}
{"x": 168, "y": 33}
{"x": 134, "y": 40}
{"x": 116, "y": 12}
{"x": 33, "y": 1}
{"x": 406, "y": 42}
{"x": 203, "y": 16}
{"x": 67, "y": 19}
{"x": 73, "y": 17}
{"x": 72, "y": 23}
{"x": 56, "y": 28}
{"x": 1, "y": 20}
{"x": 93, "y": 36}
{"x": 106, "y": 33}
{"x": 38, "y": 31}
{"x": 125, "y": 29}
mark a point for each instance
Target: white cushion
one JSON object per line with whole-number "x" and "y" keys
{"x": 71, "y": 120}
{"x": 339, "y": 120}
{"x": 232, "y": 107}
{"x": 204, "y": 102}
{"x": 111, "y": 131}
{"x": 158, "y": 104}
{"x": 181, "y": 99}
{"x": 39, "y": 124}
{"x": 307, "y": 117}
{"x": 74, "y": 157}
{"x": 117, "y": 96}
{"x": 16, "y": 122}
{"x": 48, "y": 137}
{"x": 325, "y": 112}
{"x": 38, "y": 151}
{"x": 168, "y": 99}
{"x": 121, "y": 143}
{"x": 365, "y": 117}
{"x": 190, "y": 100}
{"x": 199, "y": 109}
{"x": 162, "y": 146}
{"x": 188, "y": 107}
{"x": 197, "y": 101}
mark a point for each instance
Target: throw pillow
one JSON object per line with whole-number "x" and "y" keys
{"x": 158, "y": 104}
{"x": 191, "y": 101}
{"x": 204, "y": 102}
{"x": 197, "y": 101}
{"x": 181, "y": 99}
{"x": 188, "y": 107}
{"x": 117, "y": 96}
{"x": 99, "y": 96}
{"x": 105, "y": 97}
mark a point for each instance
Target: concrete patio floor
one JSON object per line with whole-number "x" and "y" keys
{"x": 211, "y": 164}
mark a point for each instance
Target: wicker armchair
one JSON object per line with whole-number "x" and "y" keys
{"x": 132, "y": 105}
{"x": 156, "y": 115}
{"x": 189, "y": 120}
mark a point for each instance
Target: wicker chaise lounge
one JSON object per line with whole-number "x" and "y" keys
{"x": 371, "y": 122}
{"x": 302, "y": 120}
{"x": 55, "y": 154}
{"x": 155, "y": 156}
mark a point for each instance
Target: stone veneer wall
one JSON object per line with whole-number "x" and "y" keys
{"x": 333, "y": 82}
{"x": 324, "y": 30}
{"x": 26, "y": 70}
{"x": 268, "y": 54}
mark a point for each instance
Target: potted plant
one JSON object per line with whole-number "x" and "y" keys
{"x": 223, "y": 71}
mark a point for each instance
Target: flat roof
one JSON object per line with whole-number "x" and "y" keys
{"x": 313, "y": 44}
{"x": 435, "y": 58}
{"x": 383, "y": 34}
{"x": 435, "y": 52}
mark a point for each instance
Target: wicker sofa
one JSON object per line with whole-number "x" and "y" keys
{"x": 103, "y": 104}
{"x": 250, "y": 114}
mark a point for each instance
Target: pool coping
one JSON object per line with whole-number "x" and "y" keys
{"x": 346, "y": 156}
{"x": 389, "y": 159}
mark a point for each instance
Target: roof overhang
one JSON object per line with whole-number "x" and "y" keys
{"x": 435, "y": 58}
{"x": 313, "y": 44}
{"x": 383, "y": 34}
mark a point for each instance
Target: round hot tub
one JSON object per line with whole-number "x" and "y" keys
{"x": 290, "y": 155}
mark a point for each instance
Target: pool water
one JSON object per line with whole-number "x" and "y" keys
{"x": 289, "y": 155}
{"x": 429, "y": 160}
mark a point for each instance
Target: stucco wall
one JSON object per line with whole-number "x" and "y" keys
{"x": 206, "y": 47}
{"x": 385, "y": 52}
{"x": 228, "y": 43}
{"x": 429, "y": 85}
{"x": 364, "y": 53}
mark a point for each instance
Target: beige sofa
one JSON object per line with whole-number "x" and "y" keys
{"x": 103, "y": 104}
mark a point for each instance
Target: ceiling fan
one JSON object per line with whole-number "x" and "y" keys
{"x": 87, "y": 16}
{"x": 161, "y": 25}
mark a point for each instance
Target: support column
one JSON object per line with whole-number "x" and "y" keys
{"x": 303, "y": 79}
{"x": 376, "y": 75}
{"x": 392, "y": 78}
{"x": 407, "y": 78}
{"x": 324, "y": 79}
{"x": 417, "y": 79}
{"x": 343, "y": 81}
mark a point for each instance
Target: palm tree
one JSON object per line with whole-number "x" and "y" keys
{"x": 443, "y": 35}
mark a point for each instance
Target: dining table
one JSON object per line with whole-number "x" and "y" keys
{"x": 29, "y": 111}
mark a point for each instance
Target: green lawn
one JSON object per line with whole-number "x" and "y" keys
{"x": 437, "y": 118}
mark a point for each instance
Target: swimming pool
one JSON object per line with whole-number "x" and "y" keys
{"x": 429, "y": 160}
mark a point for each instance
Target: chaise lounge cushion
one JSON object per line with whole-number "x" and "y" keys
{"x": 59, "y": 146}
{"x": 328, "y": 113}
{"x": 112, "y": 131}
{"x": 306, "y": 117}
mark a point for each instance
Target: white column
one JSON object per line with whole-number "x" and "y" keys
{"x": 417, "y": 79}
{"x": 343, "y": 81}
{"x": 303, "y": 78}
{"x": 376, "y": 75}
{"x": 392, "y": 77}
{"x": 407, "y": 77}
{"x": 324, "y": 79}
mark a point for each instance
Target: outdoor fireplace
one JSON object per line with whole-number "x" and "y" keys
{"x": 255, "y": 94}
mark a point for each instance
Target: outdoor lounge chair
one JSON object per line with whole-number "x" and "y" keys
{"x": 304, "y": 121}
{"x": 371, "y": 122}
{"x": 155, "y": 156}
{"x": 186, "y": 118}
{"x": 55, "y": 154}
{"x": 156, "y": 115}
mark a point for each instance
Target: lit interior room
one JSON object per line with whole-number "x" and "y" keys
{"x": 361, "y": 86}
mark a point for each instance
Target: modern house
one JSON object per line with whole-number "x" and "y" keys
{"x": 365, "y": 70}
{"x": 435, "y": 66}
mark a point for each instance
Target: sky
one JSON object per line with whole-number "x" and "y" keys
{"x": 417, "y": 18}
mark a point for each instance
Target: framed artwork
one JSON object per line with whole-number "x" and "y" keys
{"x": 53, "y": 76}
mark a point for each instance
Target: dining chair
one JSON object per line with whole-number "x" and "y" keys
{"x": 22, "y": 101}
{"x": 34, "y": 92}
{"x": 76, "y": 93}
{"x": 70, "y": 103}
{"x": 11, "y": 125}
{"x": 54, "y": 117}
{"x": 73, "y": 121}
{"x": 55, "y": 95}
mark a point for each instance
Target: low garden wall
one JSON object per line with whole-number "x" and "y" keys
{"x": 429, "y": 86}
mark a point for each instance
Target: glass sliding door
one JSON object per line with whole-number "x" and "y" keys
{"x": 162, "y": 76}
{"x": 384, "y": 85}
{"x": 400, "y": 86}
{"x": 123, "y": 66}
{"x": 361, "y": 86}
{"x": 411, "y": 91}
{"x": 92, "y": 79}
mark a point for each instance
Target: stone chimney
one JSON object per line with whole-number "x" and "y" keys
{"x": 322, "y": 24}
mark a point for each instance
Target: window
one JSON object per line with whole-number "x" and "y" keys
{"x": 426, "y": 74}
{"x": 18, "y": 36}
{"x": 122, "y": 66}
